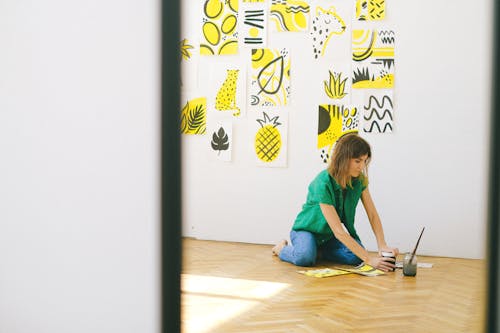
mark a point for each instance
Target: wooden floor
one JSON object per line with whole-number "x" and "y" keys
{"x": 234, "y": 287}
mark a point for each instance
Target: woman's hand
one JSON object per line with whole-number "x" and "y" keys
{"x": 385, "y": 264}
{"x": 393, "y": 250}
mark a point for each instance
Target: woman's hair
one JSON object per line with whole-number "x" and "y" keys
{"x": 348, "y": 147}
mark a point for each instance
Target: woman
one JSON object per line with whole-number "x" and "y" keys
{"x": 326, "y": 222}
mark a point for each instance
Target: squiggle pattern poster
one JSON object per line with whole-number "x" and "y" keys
{"x": 378, "y": 112}
{"x": 270, "y": 84}
{"x": 373, "y": 58}
{"x": 220, "y": 21}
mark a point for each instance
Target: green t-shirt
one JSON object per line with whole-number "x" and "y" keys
{"x": 324, "y": 189}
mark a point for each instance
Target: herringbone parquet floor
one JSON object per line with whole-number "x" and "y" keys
{"x": 234, "y": 287}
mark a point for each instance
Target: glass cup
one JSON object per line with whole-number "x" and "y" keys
{"x": 410, "y": 268}
{"x": 389, "y": 255}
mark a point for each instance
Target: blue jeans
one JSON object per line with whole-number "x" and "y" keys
{"x": 303, "y": 250}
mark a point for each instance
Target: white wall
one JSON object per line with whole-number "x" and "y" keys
{"x": 430, "y": 172}
{"x": 79, "y": 137}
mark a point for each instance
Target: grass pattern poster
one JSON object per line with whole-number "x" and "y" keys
{"x": 270, "y": 78}
{"x": 335, "y": 83}
{"x": 373, "y": 58}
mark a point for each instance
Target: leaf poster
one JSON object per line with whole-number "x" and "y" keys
{"x": 330, "y": 32}
{"x": 270, "y": 78}
{"x": 253, "y": 25}
{"x": 193, "y": 115}
{"x": 333, "y": 122}
{"x": 289, "y": 15}
{"x": 373, "y": 58}
{"x": 219, "y": 27}
{"x": 370, "y": 10}
{"x": 226, "y": 91}
{"x": 221, "y": 139}
{"x": 270, "y": 141}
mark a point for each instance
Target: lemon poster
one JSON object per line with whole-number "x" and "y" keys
{"x": 219, "y": 28}
{"x": 373, "y": 58}
{"x": 270, "y": 138}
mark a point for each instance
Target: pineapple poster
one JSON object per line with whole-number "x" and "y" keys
{"x": 330, "y": 31}
{"x": 226, "y": 89}
{"x": 334, "y": 121}
{"x": 270, "y": 78}
{"x": 270, "y": 138}
{"x": 373, "y": 58}
{"x": 221, "y": 139}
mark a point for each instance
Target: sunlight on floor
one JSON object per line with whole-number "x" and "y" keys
{"x": 209, "y": 301}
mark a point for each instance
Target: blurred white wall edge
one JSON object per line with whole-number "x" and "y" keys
{"x": 79, "y": 173}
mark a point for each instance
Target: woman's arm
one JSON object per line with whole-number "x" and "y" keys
{"x": 375, "y": 222}
{"x": 342, "y": 235}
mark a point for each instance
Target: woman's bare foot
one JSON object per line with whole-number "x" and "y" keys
{"x": 278, "y": 247}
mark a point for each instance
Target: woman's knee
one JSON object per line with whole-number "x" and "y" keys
{"x": 305, "y": 259}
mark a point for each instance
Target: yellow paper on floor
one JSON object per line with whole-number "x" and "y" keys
{"x": 363, "y": 269}
{"x": 324, "y": 272}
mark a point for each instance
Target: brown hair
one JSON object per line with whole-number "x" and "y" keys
{"x": 348, "y": 147}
